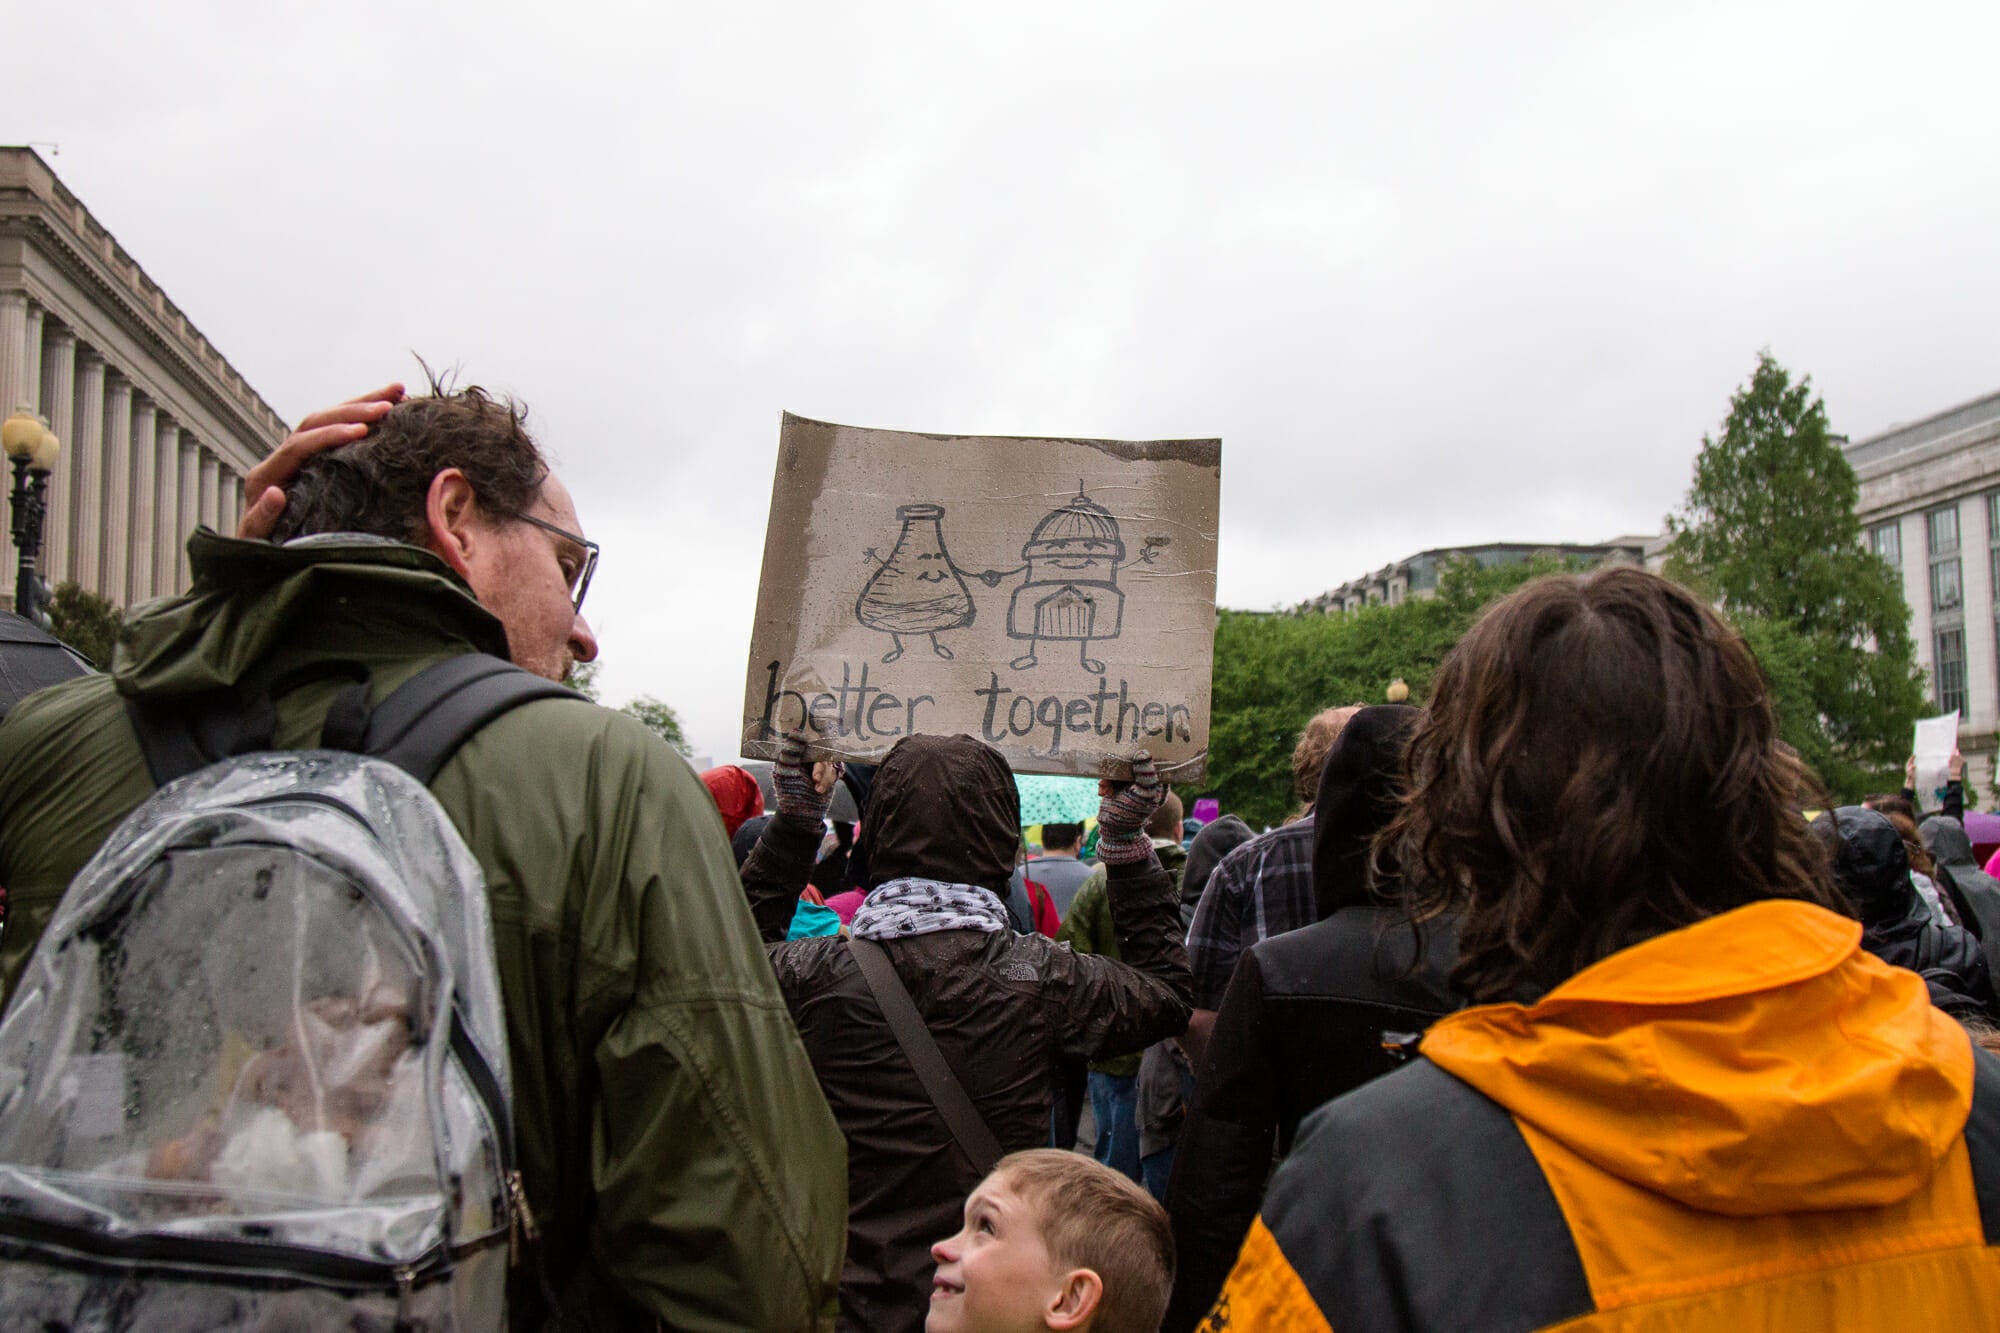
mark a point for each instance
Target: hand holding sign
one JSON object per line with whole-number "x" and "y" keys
{"x": 803, "y": 794}
{"x": 1122, "y": 816}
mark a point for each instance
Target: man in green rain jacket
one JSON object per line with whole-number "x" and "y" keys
{"x": 675, "y": 1147}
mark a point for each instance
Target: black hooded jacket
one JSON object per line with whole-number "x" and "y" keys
{"x": 1976, "y": 893}
{"x": 1003, "y": 1007}
{"x": 1308, "y": 1015}
{"x": 1873, "y": 869}
{"x": 1217, "y": 839}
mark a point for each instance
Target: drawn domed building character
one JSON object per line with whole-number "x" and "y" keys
{"x": 1071, "y": 594}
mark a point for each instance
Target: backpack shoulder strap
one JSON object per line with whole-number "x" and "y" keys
{"x": 417, "y": 728}
{"x": 425, "y": 720}
{"x": 975, "y": 1137}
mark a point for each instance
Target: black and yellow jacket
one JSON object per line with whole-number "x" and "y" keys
{"x": 1748, "y": 1123}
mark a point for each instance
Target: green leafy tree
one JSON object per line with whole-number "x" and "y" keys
{"x": 1273, "y": 671}
{"x": 85, "y": 621}
{"x": 1769, "y": 531}
{"x": 582, "y": 678}
{"x": 661, "y": 718}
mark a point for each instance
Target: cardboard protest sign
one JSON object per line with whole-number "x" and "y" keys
{"x": 1055, "y": 598}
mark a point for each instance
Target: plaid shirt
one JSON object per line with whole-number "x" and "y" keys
{"x": 1263, "y": 888}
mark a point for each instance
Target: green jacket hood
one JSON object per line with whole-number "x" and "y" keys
{"x": 248, "y": 596}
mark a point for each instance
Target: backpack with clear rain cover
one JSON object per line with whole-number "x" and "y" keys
{"x": 256, "y": 1072}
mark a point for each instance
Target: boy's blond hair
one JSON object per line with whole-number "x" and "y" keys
{"x": 1093, "y": 1217}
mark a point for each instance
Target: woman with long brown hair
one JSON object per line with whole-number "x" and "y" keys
{"x": 1685, "y": 1097}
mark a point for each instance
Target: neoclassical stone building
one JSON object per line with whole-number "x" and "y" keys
{"x": 1417, "y": 575}
{"x": 157, "y": 429}
{"x": 1930, "y": 502}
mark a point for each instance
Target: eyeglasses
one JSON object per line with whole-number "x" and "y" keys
{"x": 579, "y": 585}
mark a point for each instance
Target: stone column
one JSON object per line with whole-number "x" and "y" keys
{"x": 14, "y": 389}
{"x": 167, "y": 508}
{"x": 59, "y": 406}
{"x": 86, "y": 473}
{"x": 33, "y": 382}
{"x": 145, "y": 485}
{"x": 189, "y": 517}
{"x": 114, "y": 547}
{"x": 211, "y": 480}
{"x": 232, "y": 503}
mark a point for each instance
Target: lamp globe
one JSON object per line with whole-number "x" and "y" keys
{"x": 21, "y": 432}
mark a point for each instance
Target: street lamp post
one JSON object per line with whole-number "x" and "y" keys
{"x": 31, "y": 448}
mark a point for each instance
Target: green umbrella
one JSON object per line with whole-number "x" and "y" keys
{"x": 1056, "y": 800}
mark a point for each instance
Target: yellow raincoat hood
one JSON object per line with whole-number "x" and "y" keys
{"x": 1757, "y": 1062}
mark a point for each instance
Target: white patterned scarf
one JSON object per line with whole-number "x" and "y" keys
{"x": 899, "y": 908}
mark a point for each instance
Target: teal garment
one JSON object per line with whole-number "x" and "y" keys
{"x": 811, "y": 921}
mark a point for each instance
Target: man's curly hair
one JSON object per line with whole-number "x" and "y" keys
{"x": 380, "y": 483}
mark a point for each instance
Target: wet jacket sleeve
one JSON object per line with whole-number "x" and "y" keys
{"x": 1225, "y": 1150}
{"x": 775, "y": 874}
{"x": 1110, "y": 1007}
{"x": 653, "y": 1048}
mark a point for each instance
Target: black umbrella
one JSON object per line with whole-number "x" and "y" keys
{"x": 31, "y": 658}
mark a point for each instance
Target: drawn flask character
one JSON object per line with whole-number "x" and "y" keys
{"x": 917, "y": 590}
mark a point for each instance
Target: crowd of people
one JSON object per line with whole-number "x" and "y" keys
{"x": 1567, "y": 999}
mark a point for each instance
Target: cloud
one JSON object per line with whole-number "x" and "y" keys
{"x": 1455, "y": 274}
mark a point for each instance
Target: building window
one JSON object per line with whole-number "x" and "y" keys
{"x": 1887, "y": 540}
{"x": 1942, "y": 525}
{"x": 1947, "y": 593}
{"x": 1945, "y": 590}
{"x": 1949, "y": 672}
{"x": 1993, "y": 540}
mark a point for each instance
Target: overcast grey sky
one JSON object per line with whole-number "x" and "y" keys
{"x": 1435, "y": 274}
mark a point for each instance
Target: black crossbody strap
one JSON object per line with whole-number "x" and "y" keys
{"x": 892, "y": 997}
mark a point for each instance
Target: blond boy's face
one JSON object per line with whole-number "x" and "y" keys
{"x": 996, "y": 1274}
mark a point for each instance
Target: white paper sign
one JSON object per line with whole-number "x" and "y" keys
{"x": 1936, "y": 738}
